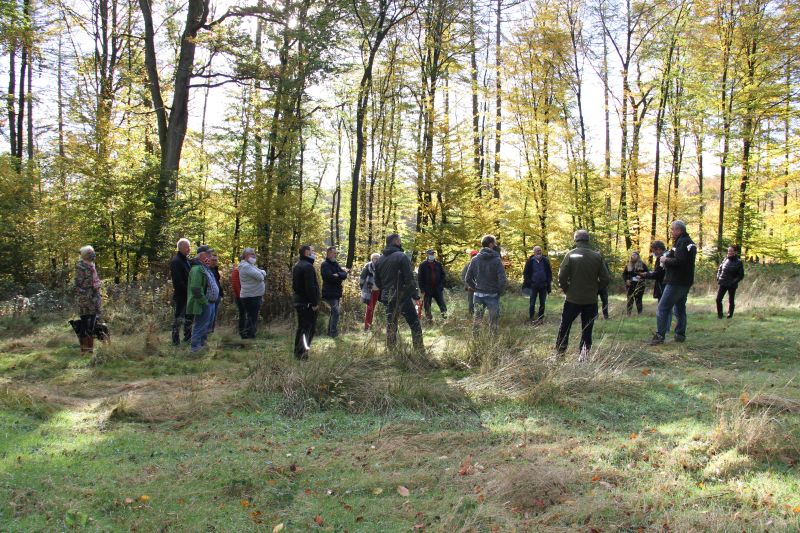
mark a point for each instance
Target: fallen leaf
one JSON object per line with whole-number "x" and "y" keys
{"x": 128, "y": 501}
{"x": 466, "y": 467}
{"x": 347, "y": 507}
{"x": 307, "y": 491}
{"x": 481, "y": 498}
{"x": 377, "y": 491}
{"x": 359, "y": 519}
{"x": 403, "y": 491}
{"x": 278, "y": 528}
{"x": 633, "y": 436}
{"x": 796, "y": 510}
{"x": 144, "y": 498}
{"x": 318, "y": 520}
{"x": 595, "y": 478}
{"x": 645, "y": 371}
{"x": 744, "y": 398}
{"x": 244, "y": 503}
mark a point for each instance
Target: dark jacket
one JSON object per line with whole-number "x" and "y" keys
{"x": 630, "y": 272}
{"x": 537, "y": 273}
{"x": 582, "y": 274}
{"x": 331, "y": 284}
{"x": 680, "y": 262}
{"x": 430, "y": 276}
{"x": 657, "y": 275}
{"x": 394, "y": 275}
{"x": 179, "y": 267}
{"x": 730, "y": 272}
{"x": 486, "y": 273}
{"x": 305, "y": 284}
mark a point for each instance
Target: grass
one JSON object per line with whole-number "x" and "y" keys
{"x": 484, "y": 435}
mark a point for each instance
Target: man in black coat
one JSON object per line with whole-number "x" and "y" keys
{"x": 657, "y": 275}
{"x": 332, "y": 278}
{"x": 538, "y": 277}
{"x": 729, "y": 274}
{"x": 394, "y": 276}
{"x": 179, "y": 269}
{"x": 305, "y": 287}
{"x": 431, "y": 276}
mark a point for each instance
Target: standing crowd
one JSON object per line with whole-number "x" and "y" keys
{"x": 389, "y": 278}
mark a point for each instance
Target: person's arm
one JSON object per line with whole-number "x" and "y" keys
{"x": 548, "y": 270}
{"x": 342, "y": 273}
{"x": 236, "y": 283}
{"x": 179, "y": 277}
{"x": 196, "y": 279}
{"x": 740, "y": 272}
{"x": 309, "y": 277}
{"x": 563, "y": 274}
{"x": 469, "y": 279}
{"x": 502, "y": 277}
{"x": 408, "y": 277}
{"x": 526, "y": 273}
{"x": 325, "y": 272}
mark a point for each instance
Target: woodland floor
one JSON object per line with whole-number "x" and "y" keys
{"x": 484, "y": 436}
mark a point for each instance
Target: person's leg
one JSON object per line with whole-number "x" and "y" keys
{"x": 177, "y": 322}
{"x": 493, "y": 304}
{"x": 604, "y": 300}
{"x": 210, "y": 324}
{"x": 532, "y": 304}
{"x": 639, "y": 294}
{"x": 370, "y": 314}
{"x": 241, "y": 309}
{"x": 251, "y": 306}
{"x": 477, "y": 316}
{"x": 333, "y": 321}
{"x": 426, "y": 305}
{"x": 629, "y": 291}
{"x": 471, "y": 303}
{"x": 568, "y": 314}
{"x": 664, "y": 312}
{"x": 680, "y": 312}
{"x": 439, "y": 297}
{"x": 588, "y": 316}
{"x": 731, "y": 300}
{"x": 720, "y": 295}
{"x": 542, "y": 299}
{"x": 392, "y": 312}
{"x": 412, "y": 319}
{"x": 299, "y": 341}
{"x": 313, "y": 316}
{"x": 200, "y": 330}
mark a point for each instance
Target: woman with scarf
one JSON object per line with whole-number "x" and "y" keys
{"x": 634, "y": 284}
{"x": 87, "y": 287}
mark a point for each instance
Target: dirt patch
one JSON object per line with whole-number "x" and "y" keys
{"x": 529, "y": 486}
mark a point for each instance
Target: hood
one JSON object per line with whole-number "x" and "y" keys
{"x": 389, "y": 250}
{"x": 487, "y": 254}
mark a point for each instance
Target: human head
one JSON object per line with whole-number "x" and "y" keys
{"x": 677, "y": 228}
{"x": 87, "y": 253}
{"x": 183, "y": 246}
{"x": 431, "y": 254}
{"x": 733, "y": 250}
{"x": 330, "y": 252}
{"x": 374, "y": 258}
{"x": 202, "y": 253}
{"x": 393, "y": 240}
{"x": 248, "y": 253}
{"x": 537, "y": 250}
{"x": 634, "y": 257}
{"x": 658, "y": 248}
{"x": 489, "y": 241}
{"x": 306, "y": 250}
{"x": 213, "y": 260}
{"x": 581, "y": 236}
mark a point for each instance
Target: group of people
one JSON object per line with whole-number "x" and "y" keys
{"x": 389, "y": 278}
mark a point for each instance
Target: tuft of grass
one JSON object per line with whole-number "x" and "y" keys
{"x": 530, "y": 486}
{"x": 13, "y": 398}
{"x": 758, "y": 434}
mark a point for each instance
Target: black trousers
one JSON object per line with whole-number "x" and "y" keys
{"x": 439, "y": 297}
{"x": 571, "y": 311}
{"x": 635, "y": 294}
{"x": 242, "y": 317}
{"x": 250, "y": 307}
{"x": 603, "y": 293}
{"x": 87, "y": 325}
{"x": 184, "y": 320}
{"x": 537, "y": 293}
{"x": 731, "y": 299}
{"x": 406, "y": 308}
{"x": 306, "y": 325}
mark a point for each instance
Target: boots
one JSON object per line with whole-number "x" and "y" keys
{"x": 90, "y": 344}
{"x": 84, "y": 345}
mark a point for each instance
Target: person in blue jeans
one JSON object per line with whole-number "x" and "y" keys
{"x": 486, "y": 276}
{"x": 203, "y": 296}
{"x": 678, "y": 265}
{"x": 538, "y": 277}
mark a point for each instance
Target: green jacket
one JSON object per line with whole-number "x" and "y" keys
{"x": 197, "y": 279}
{"x": 582, "y": 274}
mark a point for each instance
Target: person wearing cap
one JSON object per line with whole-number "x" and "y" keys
{"x": 179, "y": 269}
{"x": 305, "y": 287}
{"x": 333, "y": 276}
{"x": 253, "y": 285}
{"x": 538, "y": 277}
{"x": 431, "y": 276}
{"x": 581, "y": 276}
{"x": 394, "y": 276}
{"x": 203, "y": 294}
{"x": 467, "y": 288}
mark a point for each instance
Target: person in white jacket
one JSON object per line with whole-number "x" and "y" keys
{"x": 251, "y": 294}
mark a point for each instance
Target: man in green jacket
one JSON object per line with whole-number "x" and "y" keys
{"x": 581, "y": 275}
{"x": 203, "y": 293}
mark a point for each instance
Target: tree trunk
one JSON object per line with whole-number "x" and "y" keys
{"x": 498, "y": 100}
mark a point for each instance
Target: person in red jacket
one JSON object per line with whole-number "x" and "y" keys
{"x": 236, "y": 284}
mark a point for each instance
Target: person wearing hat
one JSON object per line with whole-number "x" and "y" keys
{"x": 467, "y": 288}
{"x": 253, "y": 286}
{"x": 203, "y": 294}
{"x": 581, "y": 276}
{"x": 431, "y": 276}
{"x": 179, "y": 269}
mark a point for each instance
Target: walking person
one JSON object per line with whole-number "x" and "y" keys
{"x": 87, "y": 288}
{"x": 657, "y": 274}
{"x": 305, "y": 287}
{"x": 634, "y": 284}
{"x": 179, "y": 269}
{"x": 678, "y": 264}
{"x": 729, "y": 274}
{"x": 467, "y": 288}
{"x": 332, "y": 278}
{"x": 486, "y": 276}
{"x": 394, "y": 276}
{"x": 370, "y": 293}
{"x": 581, "y": 276}
{"x": 253, "y": 287}
{"x": 203, "y": 297}
{"x": 538, "y": 277}
{"x": 431, "y": 277}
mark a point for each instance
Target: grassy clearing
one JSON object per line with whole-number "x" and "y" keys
{"x": 486, "y": 435}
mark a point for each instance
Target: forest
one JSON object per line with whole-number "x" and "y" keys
{"x": 275, "y": 123}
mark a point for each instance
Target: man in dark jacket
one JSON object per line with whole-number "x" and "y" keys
{"x": 582, "y": 274}
{"x": 657, "y": 275}
{"x": 332, "y": 278}
{"x": 486, "y": 276}
{"x": 431, "y": 276}
{"x": 179, "y": 269}
{"x": 538, "y": 277}
{"x": 394, "y": 277}
{"x": 729, "y": 274}
{"x": 305, "y": 287}
{"x": 678, "y": 264}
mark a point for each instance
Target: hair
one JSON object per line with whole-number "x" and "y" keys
{"x": 488, "y": 240}
{"x": 247, "y": 251}
{"x": 303, "y": 249}
{"x": 735, "y": 248}
{"x": 391, "y": 238}
{"x": 658, "y": 245}
{"x": 581, "y": 235}
{"x": 373, "y": 256}
{"x": 85, "y": 251}
{"x": 330, "y": 248}
{"x": 679, "y": 224}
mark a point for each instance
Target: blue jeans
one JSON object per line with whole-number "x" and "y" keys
{"x": 202, "y": 324}
{"x": 673, "y": 300}
{"x": 333, "y": 321}
{"x": 540, "y": 293}
{"x": 482, "y": 303}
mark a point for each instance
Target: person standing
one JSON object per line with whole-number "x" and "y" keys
{"x": 370, "y": 293}
{"x": 581, "y": 276}
{"x": 394, "y": 276}
{"x": 634, "y": 284}
{"x": 179, "y": 269}
{"x": 657, "y": 275}
{"x": 87, "y": 287}
{"x": 253, "y": 287}
{"x": 486, "y": 276}
{"x": 203, "y": 297}
{"x": 678, "y": 264}
{"x": 467, "y": 288}
{"x": 538, "y": 277}
{"x": 305, "y": 287}
{"x": 332, "y": 278}
{"x": 236, "y": 287}
{"x": 431, "y": 277}
{"x": 729, "y": 274}
{"x": 213, "y": 265}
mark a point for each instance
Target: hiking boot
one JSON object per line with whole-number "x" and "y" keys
{"x": 680, "y": 338}
{"x": 656, "y": 340}
{"x": 89, "y": 344}
{"x": 84, "y": 345}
